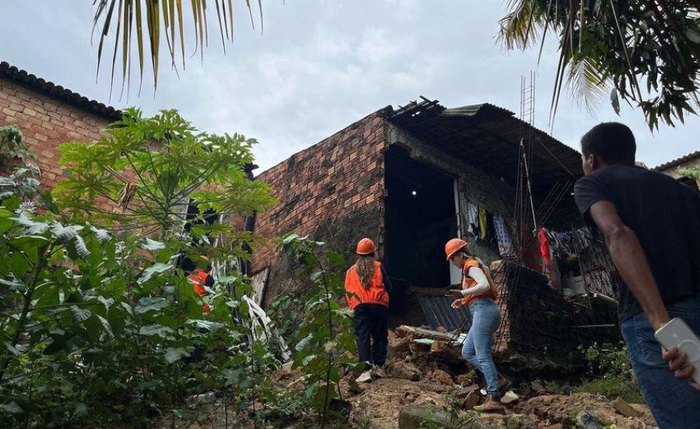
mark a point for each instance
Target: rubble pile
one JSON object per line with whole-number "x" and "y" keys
{"x": 427, "y": 381}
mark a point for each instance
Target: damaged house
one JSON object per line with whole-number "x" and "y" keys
{"x": 411, "y": 178}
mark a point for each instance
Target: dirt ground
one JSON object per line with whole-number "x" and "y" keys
{"x": 416, "y": 379}
{"x": 378, "y": 407}
{"x": 430, "y": 379}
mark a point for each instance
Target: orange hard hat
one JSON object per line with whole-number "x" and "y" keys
{"x": 453, "y": 246}
{"x": 365, "y": 247}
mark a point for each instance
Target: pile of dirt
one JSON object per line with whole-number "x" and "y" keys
{"x": 420, "y": 377}
{"x": 564, "y": 410}
{"x": 381, "y": 402}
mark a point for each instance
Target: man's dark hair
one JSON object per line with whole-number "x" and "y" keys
{"x": 612, "y": 141}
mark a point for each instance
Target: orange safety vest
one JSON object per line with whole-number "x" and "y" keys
{"x": 468, "y": 282}
{"x": 356, "y": 294}
{"x": 199, "y": 279}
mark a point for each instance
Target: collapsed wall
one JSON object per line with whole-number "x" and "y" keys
{"x": 539, "y": 325}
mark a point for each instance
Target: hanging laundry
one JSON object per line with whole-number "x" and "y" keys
{"x": 473, "y": 219}
{"x": 544, "y": 249}
{"x": 550, "y": 267}
{"x": 482, "y": 224}
{"x": 505, "y": 243}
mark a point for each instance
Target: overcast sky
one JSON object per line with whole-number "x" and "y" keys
{"x": 321, "y": 65}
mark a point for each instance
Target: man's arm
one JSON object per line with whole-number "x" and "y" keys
{"x": 630, "y": 260}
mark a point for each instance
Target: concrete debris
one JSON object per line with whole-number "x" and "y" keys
{"x": 625, "y": 409}
{"x": 508, "y": 421}
{"x": 412, "y": 417}
{"x": 403, "y": 331}
{"x": 465, "y": 379}
{"x": 404, "y": 370}
{"x": 537, "y": 387}
{"x": 420, "y": 346}
{"x": 440, "y": 376}
{"x": 586, "y": 420}
{"x": 471, "y": 400}
{"x": 464, "y": 391}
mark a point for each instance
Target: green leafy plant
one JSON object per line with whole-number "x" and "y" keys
{"x": 325, "y": 343}
{"x": 152, "y": 169}
{"x": 12, "y": 146}
{"x": 100, "y": 327}
{"x": 610, "y": 372}
{"x": 693, "y": 172}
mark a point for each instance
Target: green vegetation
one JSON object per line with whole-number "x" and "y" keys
{"x": 101, "y": 328}
{"x": 611, "y": 373}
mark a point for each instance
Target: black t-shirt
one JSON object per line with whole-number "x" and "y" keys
{"x": 665, "y": 216}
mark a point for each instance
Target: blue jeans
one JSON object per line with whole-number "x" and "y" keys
{"x": 673, "y": 402}
{"x": 477, "y": 347}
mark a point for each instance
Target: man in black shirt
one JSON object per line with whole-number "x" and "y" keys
{"x": 651, "y": 226}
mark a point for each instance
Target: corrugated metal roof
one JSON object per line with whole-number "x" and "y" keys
{"x": 438, "y": 312}
{"x": 57, "y": 92}
{"x": 489, "y": 136}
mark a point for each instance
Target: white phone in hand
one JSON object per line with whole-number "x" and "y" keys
{"x": 677, "y": 334}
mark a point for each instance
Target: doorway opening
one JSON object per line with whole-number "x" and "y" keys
{"x": 419, "y": 219}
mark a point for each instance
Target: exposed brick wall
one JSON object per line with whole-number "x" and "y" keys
{"x": 45, "y": 123}
{"x": 332, "y": 180}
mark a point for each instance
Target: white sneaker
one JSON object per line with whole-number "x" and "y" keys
{"x": 365, "y": 377}
{"x": 378, "y": 372}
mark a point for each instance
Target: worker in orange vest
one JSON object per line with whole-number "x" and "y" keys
{"x": 367, "y": 292}
{"x": 201, "y": 282}
{"x": 478, "y": 293}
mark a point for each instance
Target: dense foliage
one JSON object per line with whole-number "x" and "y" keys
{"x": 100, "y": 326}
{"x": 647, "y": 53}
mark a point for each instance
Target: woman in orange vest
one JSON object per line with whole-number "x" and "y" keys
{"x": 367, "y": 292}
{"x": 479, "y": 295}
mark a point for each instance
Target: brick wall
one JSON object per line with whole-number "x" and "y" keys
{"x": 333, "y": 191}
{"x": 45, "y": 123}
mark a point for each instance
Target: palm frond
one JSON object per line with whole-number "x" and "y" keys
{"x": 118, "y": 20}
{"x": 587, "y": 83}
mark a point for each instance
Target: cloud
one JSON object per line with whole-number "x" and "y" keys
{"x": 320, "y": 66}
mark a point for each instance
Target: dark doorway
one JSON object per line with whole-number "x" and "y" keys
{"x": 419, "y": 219}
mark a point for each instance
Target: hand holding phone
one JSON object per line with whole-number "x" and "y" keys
{"x": 677, "y": 334}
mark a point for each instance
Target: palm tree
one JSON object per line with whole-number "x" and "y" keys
{"x": 127, "y": 17}
{"x": 646, "y": 52}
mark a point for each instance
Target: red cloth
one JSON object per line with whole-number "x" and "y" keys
{"x": 544, "y": 248}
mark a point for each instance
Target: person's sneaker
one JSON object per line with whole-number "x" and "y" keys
{"x": 491, "y": 405}
{"x": 378, "y": 372}
{"x": 365, "y": 377}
